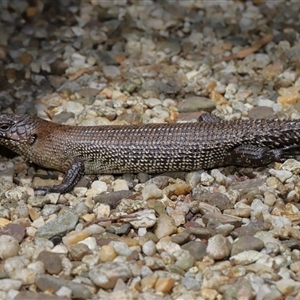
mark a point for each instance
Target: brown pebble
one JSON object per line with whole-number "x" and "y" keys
{"x": 25, "y": 58}
{"x": 52, "y": 261}
{"x": 31, "y": 11}
{"x": 33, "y": 214}
{"x": 78, "y": 251}
{"x": 164, "y": 284}
{"x": 15, "y": 230}
{"x": 149, "y": 281}
{"x": 218, "y": 98}
{"x": 107, "y": 253}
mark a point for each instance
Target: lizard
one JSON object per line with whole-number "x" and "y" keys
{"x": 152, "y": 148}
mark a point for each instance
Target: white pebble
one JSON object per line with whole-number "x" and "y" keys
{"x": 149, "y": 248}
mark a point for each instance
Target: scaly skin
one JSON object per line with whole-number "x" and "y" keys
{"x": 151, "y": 148}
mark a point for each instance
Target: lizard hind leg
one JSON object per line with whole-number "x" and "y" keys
{"x": 251, "y": 156}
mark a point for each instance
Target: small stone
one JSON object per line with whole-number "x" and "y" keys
{"x": 149, "y": 248}
{"x": 146, "y": 219}
{"x": 216, "y": 199}
{"x": 111, "y": 72}
{"x": 9, "y": 246}
{"x": 282, "y": 175}
{"x": 74, "y": 107}
{"x": 291, "y": 165}
{"x": 66, "y": 221}
{"x": 151, "y": 191}
{"x": 78, "y": 251}
{"x": 121, "y": 248}
{"x": 10, "y": 284}
{"x": 64, "y": 292}
{"x": 245, "y": 258}
{"x": 165, "y": 226}
{"x": 124, "y": 229}
{"x": 196, "y": 104}
{"x": 15, "y": 230}
{"x": 191, "y": 284}
{"x": 197, "y": 249}
{"x": 164, "y": 285}
{"x": 107, "y": 253}
{"x": 184, "y": 259}
{"x": 180, "y": 187}
{"x": 287, "y": 286}
{"x": 90, "y": 242}
{"x": 75, "y": 236}
{"x": 222, "y": 219}
{"x": 258, "y": 206}
{"x": 181, "y": 238}
{"x": 47, "y": 282}
{"x": 165, "y": 244}
{"x": 120, "y": 185}
{"x": 149, "y": 281}
{"x": 152, "y": 102}
{"x": 100, "y": 186}
{"x": 245, "y": 243}
{"x": 261, "y": 112}
{"x": 218, "y": 247}
{"x": 271, "y": 71}
{"x": 26, "y": 275}
{"x": 106, "y": 275}
{"x": 206, "y": 179}
{"x": 52, "y": 262}
{"x": 208, "y": 294}
{"x": 288, "y": 95}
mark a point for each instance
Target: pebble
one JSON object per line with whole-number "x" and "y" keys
{"x": 107, "y": 253}
{"x": 100, "y": 186}
{"x": 196, "y": 249}
{"x": 111, "y": 72}
{"x": 151, "y": 191}
{"x": 184, "y": 259}
{"x": 121, "y": 248}
{"x": 164, "y": 285}
{"x": 10, "y": 284}
{"x": 45, "y": 282}
{"x": 245, "y": 258}
{"x": 146, "y": 219}
{"x": 282, "y": 175}
{"x": 51, "y": 261}
{"x": 165, "y": 226}
{"x": 195, "y": 103}
{"x": 9, "y": 246}
{"x": 65, "y": 222}
{"x": 120, "y": 185}
{"x": 149, "y": 248}
{"x": 106, "y": 275}
{"x": 218, "y": 247}
{"x": 78, "y": 251}
{"x": 245, "y": 243}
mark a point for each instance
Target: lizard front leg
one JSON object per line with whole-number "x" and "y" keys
{"x": 74, "y": 173}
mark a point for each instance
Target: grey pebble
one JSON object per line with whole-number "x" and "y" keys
{"x": 66, "y": 221}
{"x": 47, "y": 282}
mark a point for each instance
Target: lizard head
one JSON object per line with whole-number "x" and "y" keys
{"x": 15, "y": 130}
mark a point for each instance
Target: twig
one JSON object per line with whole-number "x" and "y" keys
{"x": 244, "y": 52}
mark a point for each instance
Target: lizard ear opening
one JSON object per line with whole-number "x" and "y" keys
{"x": 32, "y": 139}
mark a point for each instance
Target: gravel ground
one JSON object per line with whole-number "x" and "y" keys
{"x": 227, "y": 233}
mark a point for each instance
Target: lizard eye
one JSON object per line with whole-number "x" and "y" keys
{"x": 4, "y": 127}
